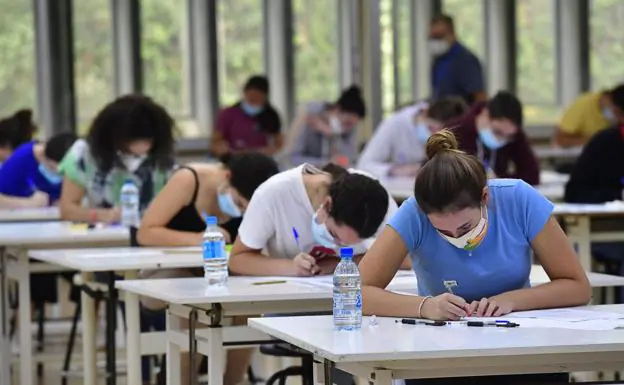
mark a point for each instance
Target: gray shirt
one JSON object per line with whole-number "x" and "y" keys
{"x": 313, "y": 147}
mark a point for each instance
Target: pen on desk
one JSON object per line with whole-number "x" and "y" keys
{"x": 268, "y": 282}
{"x": 406, "y": 321}
{"x": 498, "y": 324}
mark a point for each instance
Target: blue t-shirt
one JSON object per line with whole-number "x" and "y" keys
{"x": 458, "y": 72}
{"x": 501, "y": 263}
{"x": 20, "y": 176}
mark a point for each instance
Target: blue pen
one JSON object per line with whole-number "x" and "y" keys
{"x": 296, "y": 236}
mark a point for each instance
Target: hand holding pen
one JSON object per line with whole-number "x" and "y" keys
{"x": 304, "y": 265}
{"x": 444, "y": 307}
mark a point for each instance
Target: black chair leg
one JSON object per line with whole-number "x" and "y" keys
{"x": 307, "y": 374}
{"x": 70, "y": 344}
{"x": 40, "y": 308}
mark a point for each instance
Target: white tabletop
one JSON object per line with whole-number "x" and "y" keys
{"x": 194, "y": 291}
{"x": 30, "y": 214}
{"x": 392, "y": 341}
{"x": 121, "y": 258}
{"x": 550, "y": 152}
{"x": 600, "y": 209}
{"x": 52, "y": 234}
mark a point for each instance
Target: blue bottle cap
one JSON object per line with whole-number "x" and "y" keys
{"x": 211, "y": 221}
{"x": 129, "y": 181}
{"x": 346, "y": 252}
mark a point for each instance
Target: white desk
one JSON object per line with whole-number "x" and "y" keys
{"x": 20, "y": 237}
{"x": 557, "y": 153}
{"x": 578, "y": 217}
{"x": 30, "y": 214}
{"x": 390, "y": 350}
{"x": 129, "y": 261}
{"x": 242, "y": 297}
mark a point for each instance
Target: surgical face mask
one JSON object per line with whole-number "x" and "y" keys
{"x": 132, "y": 162}
{"x": 438, "y": 47}
{"x": 490, "y": 140}
{"x": 471, "y": 239}
{"x": 227, "y": 205}
{"x": 335, "y": 125}
{"x": 422, "y": 132}
{"x": 608, "y": 114}
{"x": 49, "y": 175}
{"x": 320, "y": 233}
{"x": 251, "y": 110}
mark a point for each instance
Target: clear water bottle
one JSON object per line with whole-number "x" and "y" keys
{"x": 215, "y": 256}
{"x": 347, "y": 307}
{"x": 130, "y": 216}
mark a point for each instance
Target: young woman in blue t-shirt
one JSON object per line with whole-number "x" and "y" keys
{"x": 477, "y": 235}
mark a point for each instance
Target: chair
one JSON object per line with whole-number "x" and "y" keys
{"x": 305, "y": 371}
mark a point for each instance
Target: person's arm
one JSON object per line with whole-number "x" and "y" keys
{"x": 526, "y": 163}
{"x": 38, "y": 199}
{"x": 71, "y": 208}
{"x": 15, "y": 183}
{"x": 245, "y": 260}
{"x": 564, "y": 139}
{"x": 377, "y": 155}
{"x": 218, "y": 142}
{"x": 177, "y": 193}
{"x": 592, "y": 180}
{"x": 569, "y": 133}
{"x": 568, "y": 286}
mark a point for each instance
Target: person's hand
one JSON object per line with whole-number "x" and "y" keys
{"x": 483, "y": 120}
{"x": 444, "y": 307}
{"x": 226, "y": 235}
{"x": 109, "y": 216}
{"x": 320, "y": 125}
{"x": 39, "y": 199}
{"x": 304, "y": 265}
{"x": 327, "y": 265}
{"x": 405, "y": 170}
{"x": 489, "y": 307}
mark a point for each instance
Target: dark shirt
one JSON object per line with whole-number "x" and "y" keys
{"x": 458, "y": 72}
{"x": 245, "y": 132}
{"x": 598, "y": 172}
{"x": 515, "y": 160}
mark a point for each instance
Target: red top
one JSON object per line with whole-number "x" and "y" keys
{"x": 515, "y": 160}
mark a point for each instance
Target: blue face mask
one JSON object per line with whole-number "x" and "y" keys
{"x": 490, "y": 140}
{"x": 227, "y": 205}
{"x": 251, "y": 110}
{"x": 320, "y": 233}
{"x": 609, "y": 115}
{"x": 422, "y": 132}
{"x": 49, "y": 175}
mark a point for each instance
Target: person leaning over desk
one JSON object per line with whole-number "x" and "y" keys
{"x": 474, "y": 236}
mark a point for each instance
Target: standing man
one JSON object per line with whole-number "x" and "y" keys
{"x": 456, "y": 70}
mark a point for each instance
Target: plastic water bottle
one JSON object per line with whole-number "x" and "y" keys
{"x": 215, "y": 256}
{"x": 130, "y": 216}
{"x": 347, "y": 307}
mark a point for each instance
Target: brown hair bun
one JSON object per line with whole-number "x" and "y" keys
{"x": 441, "y": 141}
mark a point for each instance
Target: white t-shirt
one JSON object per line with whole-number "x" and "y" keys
{"x": 394, "y": 142}
{"x": 281, "y": 204}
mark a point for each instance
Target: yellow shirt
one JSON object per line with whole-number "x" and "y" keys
{"x": 584, "y": 116}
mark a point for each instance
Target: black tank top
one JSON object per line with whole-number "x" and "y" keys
{"x": 188, "y": 219}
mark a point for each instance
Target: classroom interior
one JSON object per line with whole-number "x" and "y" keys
{"x": 203, "y": 63}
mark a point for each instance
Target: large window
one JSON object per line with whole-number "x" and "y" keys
{"x": 93, "y": 63}
{"x": 606, "y": 45}
{"x": 240, "y": 45}
{"x": 387, "y": 57}
{"x": 536, "y": 60}
{"x": 165, "y": 54}
{"x": 17, "y": 69}
{"x": 316, "y": 50}
{"x": 404, "y": 52}
{"x": 469, "y": 21}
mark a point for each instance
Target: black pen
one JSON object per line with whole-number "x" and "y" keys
{"x": 420, "y": 322}
{"x": 495, "y": 324}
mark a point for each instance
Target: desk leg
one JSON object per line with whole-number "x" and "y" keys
{"x": 133, "y": 337}
{"x": 381, "y": 377}
{"x": 328, "y": 367}
{"x": 26, "y": 362}
{"x": 173, "y": 351}
{"x": 5, "y": 352}
{"x": 111, "y": 321}
{"x": 216, "y": 355}
{"x": 581, "y": 233}
{"x": 87, "y": 310}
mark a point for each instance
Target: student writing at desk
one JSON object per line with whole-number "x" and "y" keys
{"x": 479, "y": 234}
{"x": 175, "y": 218}
{"x": 132, "y": 137}
{"x": 397, "y": 147}
{"x": 29, "y": 178}
{"x": 493, "y": 132}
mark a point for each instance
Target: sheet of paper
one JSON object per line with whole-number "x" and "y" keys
{"x": 118, "y": 253}
{"x": 567, "y": 315}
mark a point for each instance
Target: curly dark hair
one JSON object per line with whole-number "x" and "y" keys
{"x": 17, "y": 129}
{"x": 126, "y": 119}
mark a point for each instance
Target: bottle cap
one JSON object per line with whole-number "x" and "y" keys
{"x": 346, "y": 252}
{"x": 210, "y": 220}
{"x": 129, "y": 181}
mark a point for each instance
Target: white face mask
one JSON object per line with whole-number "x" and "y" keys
{"x": 132, "y": 162}
{"x": 471, "y": 239}
{"x": 438, "y": 47}
{"x": 335, "y": 125}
